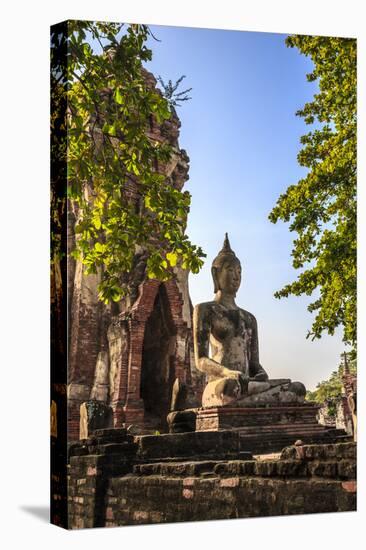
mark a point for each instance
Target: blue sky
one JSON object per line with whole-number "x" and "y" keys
{"x": 242, "y": 136}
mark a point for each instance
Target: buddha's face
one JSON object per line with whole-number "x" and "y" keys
{"x": 229, "y": 276}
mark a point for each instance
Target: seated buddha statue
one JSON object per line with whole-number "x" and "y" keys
{"x": 226, "y": 346}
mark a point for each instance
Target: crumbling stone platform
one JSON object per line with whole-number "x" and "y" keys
{"x": 225, "y": 444}
{"x": 116, "y": 479}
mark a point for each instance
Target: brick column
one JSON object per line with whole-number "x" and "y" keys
{"x": 118, "y": 337}
{"x": 134, "y": 407}
{"x": 180, "y": 367}
{"x": 175, "y": 304}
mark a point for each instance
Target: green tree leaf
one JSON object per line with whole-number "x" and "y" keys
{"x": 321, "y": 208}
{"x": 172, "y": 258}
{"x": 102, "y": 109}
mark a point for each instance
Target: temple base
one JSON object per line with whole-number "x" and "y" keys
{"x": 269, "y": 428}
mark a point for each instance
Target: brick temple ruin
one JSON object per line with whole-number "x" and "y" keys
{"x": 341, "y": 412}
{"x": 129, "y": 354}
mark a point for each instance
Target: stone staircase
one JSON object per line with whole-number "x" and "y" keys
{"x": 269, "y": 429}
{"x": 262, "y": 440}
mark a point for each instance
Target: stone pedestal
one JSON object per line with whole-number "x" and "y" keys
{"x": 273, "y": 417}
{"x": 269, "y": 428}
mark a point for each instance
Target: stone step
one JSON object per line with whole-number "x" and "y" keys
{"x": 290, "y": 428}
{"x": 283, "y": 432}
{"x": 227, "y": 444}
{"x": 262, "y": 444}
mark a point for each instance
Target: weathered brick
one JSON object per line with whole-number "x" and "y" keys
{"x": 188, "y": 493}
{"x": 229, "y": 482}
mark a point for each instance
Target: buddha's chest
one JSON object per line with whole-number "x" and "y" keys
{"x": 229, "y": 324}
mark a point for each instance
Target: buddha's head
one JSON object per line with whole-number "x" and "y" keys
{"x": 226, "y": 270}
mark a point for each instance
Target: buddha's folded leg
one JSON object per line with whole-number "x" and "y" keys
{"x": 220, "y": 392}
{"x": 288, "y": 392}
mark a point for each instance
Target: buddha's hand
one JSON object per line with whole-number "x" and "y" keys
{"x": 240, "y": 377}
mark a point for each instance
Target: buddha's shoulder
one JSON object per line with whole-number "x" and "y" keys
{"x": 249, "y": 316}
{"x": 205, "y": 307}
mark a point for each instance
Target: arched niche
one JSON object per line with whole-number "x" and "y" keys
{"x": 158, "y": 361}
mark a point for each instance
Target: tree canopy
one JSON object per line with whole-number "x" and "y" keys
{"x": 321, "y": 207}
{"x": 104, "y": 106}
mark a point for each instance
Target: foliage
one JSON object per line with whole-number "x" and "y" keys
{"x": 330, "y": 389}
{"x": 332, "y": 408}
{"x": 321, "y": 207}
{"x": 109, "y": 111}
{"x": 169, "y": 92}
